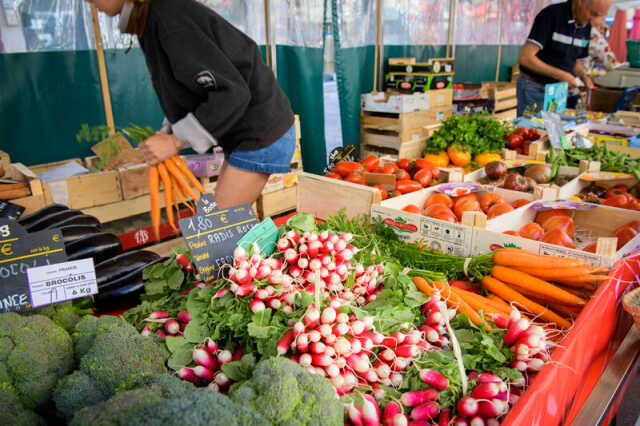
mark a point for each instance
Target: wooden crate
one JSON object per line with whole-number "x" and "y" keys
{"x": 324, "y": 197}
{"x": 36, "y": 200}
{"x": 403, "y": 124}
{"x": 538, "y": 151}
{"x": 507, "y": 115}
{"x": 80, "y": 192}
{"x": 277, "y": 202}
{"x": 41, "y": 168}
{"x": 503, "y": 96}
{"x": 413, "y": 149}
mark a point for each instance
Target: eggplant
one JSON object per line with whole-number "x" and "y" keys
{"x": 74, "y": 232}
{"x": 120, "y": 296}
{"x": 123, "y": 264}
{"x": 45, "y": 211}
{"x": 83, "y": 219}
{"x": 53, "y": 219}
{"x": 124, "y": 279}
{"x": 97, "y": 246}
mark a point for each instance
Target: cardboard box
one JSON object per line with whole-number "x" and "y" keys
{"x": 436, "y": 115}
{"x": 440, "y": 98}
{"x": 589, "y": 224}
{"x": 393, "y": 102}
{"x": 603, "y": 100}
{"x": 450, "y": 238}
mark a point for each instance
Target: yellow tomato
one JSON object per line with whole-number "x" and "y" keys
{"x": 486, "y": 158}
{"x": 440, "y": 159}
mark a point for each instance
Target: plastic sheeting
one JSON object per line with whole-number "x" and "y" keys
{"x": 299, "y": 22}
{"x": 477, "y": 22}
{"x": 564, "y": 384}
{"x": 517, "y": 22}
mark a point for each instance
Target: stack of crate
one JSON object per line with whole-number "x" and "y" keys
{"x": 398, "y": 124}
{"x": 503, "y": 99}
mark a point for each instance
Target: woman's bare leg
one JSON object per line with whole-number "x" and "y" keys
{"x": 236, "y": 186}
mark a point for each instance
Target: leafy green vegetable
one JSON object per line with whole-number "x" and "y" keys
{"x": 477, "y": 133}
{"x": 609, "y": 161}
{"x": 302, "y": 222}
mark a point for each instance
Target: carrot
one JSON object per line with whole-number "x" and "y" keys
{"x": 517, "y": 257}
{"x": 185, "y": 170}
{"x": 505, "y": 292}
{"x": 9, "y": 186}
{"x": 184, "y": 185}
{"x": 12, "y": 194}
{"x": 499, "y": 301}
{"x": 480, "y": 303}
{"x": 178, "y": 192}
{"x": 454, "y": 301}
{"x": 422, "y": 285}
{"x": 168, "y": 197}
{"x": 566, "y": 310}
{"x": 552, "y": 274}
{"x": 154, "y": 189}
{"x": 536, "y": 285}
{"x": 584, "y": 279}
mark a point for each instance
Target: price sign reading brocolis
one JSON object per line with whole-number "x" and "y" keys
{"x": 18, "y": 252}
{"x": 212, "y": 234}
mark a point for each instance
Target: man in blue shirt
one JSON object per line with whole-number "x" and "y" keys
{"x": 558, "y": 40}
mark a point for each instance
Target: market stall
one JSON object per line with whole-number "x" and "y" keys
{"x": 451, "y": 264}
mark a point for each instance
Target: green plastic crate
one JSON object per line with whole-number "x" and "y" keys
{"x": 633, "y": 53}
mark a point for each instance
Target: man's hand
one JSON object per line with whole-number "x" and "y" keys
{"x": 160, "y": 147}
{"x": 569, "y": 78}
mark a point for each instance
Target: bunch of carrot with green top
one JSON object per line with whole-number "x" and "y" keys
{"x": 176, "y": 181}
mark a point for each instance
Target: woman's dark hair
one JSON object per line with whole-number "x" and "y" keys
{"x": 138, "y": 19}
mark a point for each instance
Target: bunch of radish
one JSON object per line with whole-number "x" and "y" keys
{"x": 208, "y": 359}
{"x": 436, "y": 313}
{"x": 170, "y": 326}
{"x": 529, "y": 342}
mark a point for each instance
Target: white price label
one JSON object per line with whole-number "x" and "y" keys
{"x": 61, "y": 281}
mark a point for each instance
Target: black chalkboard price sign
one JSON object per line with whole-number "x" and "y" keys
{"x": 10, "y": 210}
{"x": 212, "y": 234}
{"x": 19, "y": 251}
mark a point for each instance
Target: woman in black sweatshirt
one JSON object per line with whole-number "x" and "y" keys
{"x": 214, "y": 89}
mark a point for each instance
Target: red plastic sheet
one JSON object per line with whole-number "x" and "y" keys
{"x": 561, "y": 388}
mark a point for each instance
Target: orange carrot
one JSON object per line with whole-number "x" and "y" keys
{"x": 565, "y": 310}
{"x": 556, "y": 273}
{"x": 454, "y": 301}
{"x": 185, "y": 170}
{"x": 182, "y": 182}
{"x": 12, "y": 194}
{"x": 422, "y": 285}
{"x": 154, "y": 190}
{"x": 535, "y": 285}
{"x": 517, "y": 257}
{"x": 178, "y": 192}
{"x": 480, "y": 303}
{"x": 499, "y": 301}
{"x": 584, "y": 279}
{"x": 505, "y": 292}
{"x": 168, "y": 197}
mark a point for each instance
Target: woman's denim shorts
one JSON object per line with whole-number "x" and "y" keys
{"x": 275, "y": 158}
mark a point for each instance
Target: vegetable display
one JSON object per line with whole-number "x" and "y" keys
{"x": 609, "y": 161}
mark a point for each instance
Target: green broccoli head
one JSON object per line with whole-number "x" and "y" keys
{"x": 89, "y": 327}
{"x": 74, "y": 392}
{"x": 13, "y": 413}
{"x": 65, "y": 314}
{"x": 164, "y": 399}
{"x": 287, "y": 394}
{"x": 34, "y": 354}
{"x": 108, "y": 351}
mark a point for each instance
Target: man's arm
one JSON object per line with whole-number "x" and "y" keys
{"x": 580, "y": 72}
{"x": 529, "y": 60}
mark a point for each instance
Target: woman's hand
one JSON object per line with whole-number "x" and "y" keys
{"x": 160, "y": 147}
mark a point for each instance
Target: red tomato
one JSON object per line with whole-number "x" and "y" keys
{"x": 519, "y": 203}
{"x": 466, "y": 205}
{"x": 533, "y": 135}
{"x": 423, "y": 176}
{"x": 405, "y": 186}
{"x": 412, "y": 208}
{"x": 544, "y": 215}
{"x": 532, "y": 231}
{"x": 440, "y": 212}
{"x": 333, "y": 175}
{"x": 355, "y": 178}
{"x": 421, "y": 163}
{"x": 620, "y": 201}
{"x": 405, "y": 164}
{"x": 383, "y": 192}
{"x": 514, "y": 141}
{"x": 498, "y": 209}
{"x": 402, "y": 174}
{"x": 615, "y": 191}
{"x": 635, "y": 224}
{"x": 634, "y": 203}
{"x": 345, "y": 168}
{"x": 525, "y": 147}
{"x": 591, "y": 248}
{"x": 439, "y": 198}
{"x": 514, "y": 233}
{"x": 625, "y": 234}
{"x": 371, "y": 163}
{"x": 390, "y": 168}
{"x": 558, "y": 237}
{"x": 559, "y": 222}
{"x": 488, "y": 200}
{"x": 621, "y": 187}
{"x": 523, "y": 132}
